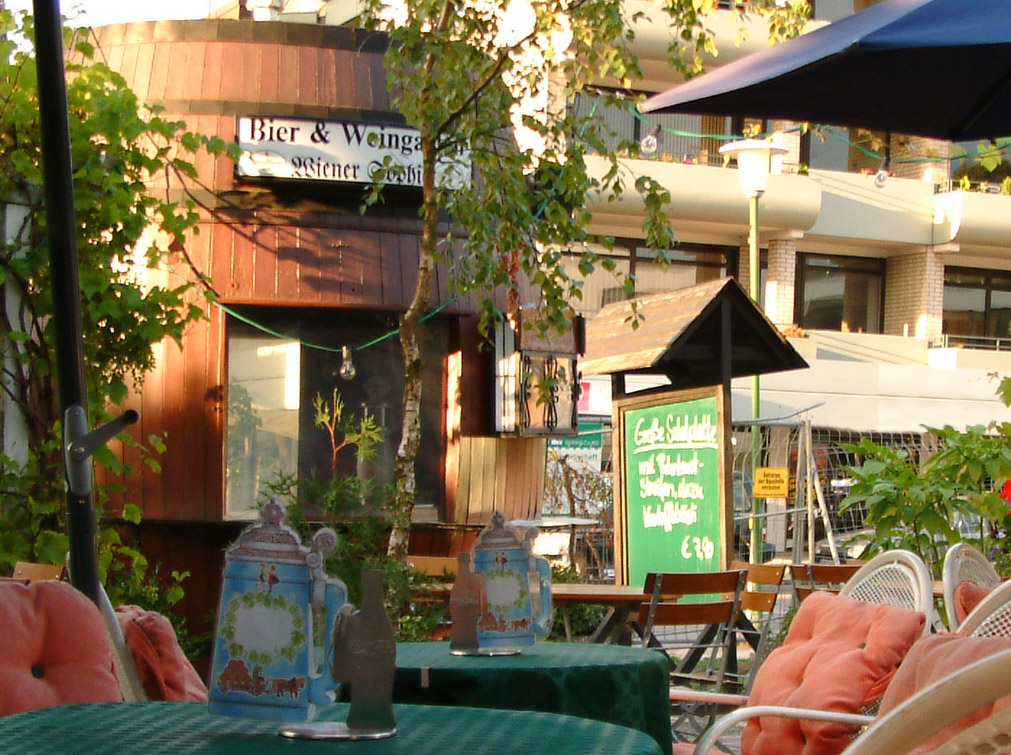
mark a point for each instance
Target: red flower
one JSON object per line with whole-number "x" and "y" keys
{"x": 1005, "y": 492}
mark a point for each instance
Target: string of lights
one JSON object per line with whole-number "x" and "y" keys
{"x": 649, "y": 145}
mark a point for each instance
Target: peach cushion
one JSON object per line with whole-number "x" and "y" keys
{"x": 839, "y": 654}
{"x": 931, "y": 659}
{"x": 165, "y": 671}
{"x": 968, "y": 594}
{"x": 54, "y": 649}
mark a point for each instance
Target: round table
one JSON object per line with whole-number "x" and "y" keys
{"x": 620, "y": 685}
{"x": 153, "y": 728}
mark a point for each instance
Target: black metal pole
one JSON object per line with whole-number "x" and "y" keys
{"x": 62, "y": 229}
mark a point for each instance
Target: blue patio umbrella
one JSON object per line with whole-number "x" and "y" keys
{"x": 935, "y": 68}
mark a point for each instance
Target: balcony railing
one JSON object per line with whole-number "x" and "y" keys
{"x": 984, "y": 187}
{"x": 982, "y": 343}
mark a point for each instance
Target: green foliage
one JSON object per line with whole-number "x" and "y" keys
{"x": 490, "y": 87}
{"x": 988, "y": 165}
{"x": 583, "y": 618}
{"x": 343, "y": 431}
{"x": 915, "y": 506}
{"x": 359, "y": 511}
{"x": 118, "y": 149}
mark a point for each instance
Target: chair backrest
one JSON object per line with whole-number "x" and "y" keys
{"x": 929, "y": 711}
{"x": 762, "y": 587}
{"x": 434, "y": 566}
{"x": 668, "y": 590}
{"x": 55, "y": 650}
{"x": 897, "y": 578}
{"x": 992, "y": 615}
{"x": 33, "y": 572}
{"x": 963, "y": 563}
{"x": 719, "y": 614}
{"x": 807, "y": 578}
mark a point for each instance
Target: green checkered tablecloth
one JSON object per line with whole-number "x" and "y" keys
{"x": 177, "y": 728}
{"x": 617, "y": 684}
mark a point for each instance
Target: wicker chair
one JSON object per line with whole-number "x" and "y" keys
{"x": 963, "y": 563}
{"x": 898, "y": 578}
{"x": 943, "y": 703}
{"x": 992, "y": 615}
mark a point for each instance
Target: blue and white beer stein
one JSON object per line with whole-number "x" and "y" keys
{"x": 266, "y": 664}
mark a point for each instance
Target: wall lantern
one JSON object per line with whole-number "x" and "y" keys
{"x": 537, "y": 378}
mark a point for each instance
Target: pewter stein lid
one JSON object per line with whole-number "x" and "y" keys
{"x": 269, "y": 539}
{"x": 497, "y": 536}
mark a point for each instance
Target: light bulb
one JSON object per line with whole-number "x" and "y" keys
{"x": 883, "y": 173}
{"x": 347, "y": 371}
{"x": 648, "y": 144}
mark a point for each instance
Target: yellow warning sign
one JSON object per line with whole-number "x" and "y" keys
{"x": 772, "y": 482}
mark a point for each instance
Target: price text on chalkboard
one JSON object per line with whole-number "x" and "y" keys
{"x": 672, "y": 490}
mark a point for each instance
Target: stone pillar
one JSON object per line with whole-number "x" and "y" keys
{"x": 743, "y": 267}
{"x": 914, "y": 301}
{"x": 781, "y": 281}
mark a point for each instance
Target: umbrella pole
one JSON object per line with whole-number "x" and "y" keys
{"x": 59, "y": 197}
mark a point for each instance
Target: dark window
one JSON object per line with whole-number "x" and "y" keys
{"x": 840, "y": 293}
{"x": 977, "y": 303}
{"x": 689, "y": 265}
{"x": 278, "y": 367}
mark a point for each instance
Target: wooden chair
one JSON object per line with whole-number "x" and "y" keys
{"x": 34, "y": 572}
{"x": 704, "y": 628}
{"x": 807, "y": 578}
{"x": 435, "y": 592}
{"x": 434, "y": 566}
{"x": 964, "y": 563}
{"x": 758, "y": 605}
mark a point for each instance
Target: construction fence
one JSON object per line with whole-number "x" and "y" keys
{"x": 807, "y": 524}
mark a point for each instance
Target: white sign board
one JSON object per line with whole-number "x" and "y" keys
{"x": 341, "y": 151}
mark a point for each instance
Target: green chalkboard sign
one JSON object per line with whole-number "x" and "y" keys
{"x": 673, "y": 485}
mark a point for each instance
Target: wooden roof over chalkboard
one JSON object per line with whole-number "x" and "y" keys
{"x": 680, "y": 336}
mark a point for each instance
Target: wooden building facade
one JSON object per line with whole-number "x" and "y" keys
{"x": 296, "y": 261}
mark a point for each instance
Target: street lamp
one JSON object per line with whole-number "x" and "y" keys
{"x": 753, "y": 158}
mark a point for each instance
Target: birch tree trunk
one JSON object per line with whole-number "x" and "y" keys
{"x": 410, "y": 435}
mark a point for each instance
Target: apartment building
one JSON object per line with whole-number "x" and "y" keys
{"x": 892, "y": 279}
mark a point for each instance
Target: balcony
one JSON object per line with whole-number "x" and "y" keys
{"x": 974, "y": 218}
{"x": 705, "y": 199}
{"x": 845, "y": 212}
{"x": 737, "y": 31}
